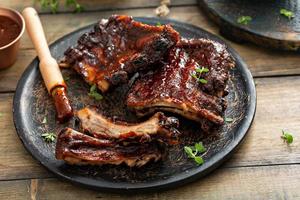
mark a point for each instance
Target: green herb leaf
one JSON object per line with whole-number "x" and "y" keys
{"x": 287, "y": 13}
{"x": 93, "y": 88}
{"x": 288, "y": 137}
{"x": 93, "y": 93}
{"x": 204, "y": 69}
{"x": 44, "y": 120}
{"x": 49, "y": 137}
{"x": 96, "y": 96}
{"x": 228, "y": 119}
{"x": 78, "y": 8}
{"x": 197, "y": 74}
{"x": 200, "y": 148}
{"x": 201, "y": 70}
{"x": 202, "y": 80}
{"x": 194, "y": 76}
{"x": 193, "y": 151}
{"x": 54, "y": 4}
{"x": 199, "y": 160}
{"x": 198, "y": 70}
{"x": 244, "y": 20}
{"x": 189, "y": 152}
{"x": 158, "y": 24}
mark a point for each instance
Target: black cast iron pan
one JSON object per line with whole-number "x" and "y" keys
{"x": 32, "y": 106}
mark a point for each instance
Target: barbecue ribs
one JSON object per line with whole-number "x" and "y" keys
{"x": 117, "y": 48}
{"x": 77, "y": 148}
{"x": 103, "y": 141}
{"x": 175, "y": 86}
{"x": 157, "y": 127}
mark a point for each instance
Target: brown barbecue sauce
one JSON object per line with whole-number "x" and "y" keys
{"x": 63, "y": 107}
{"x": 9, "y": 30}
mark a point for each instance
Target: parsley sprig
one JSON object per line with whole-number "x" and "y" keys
{"x": 93, "y": 93}
{"x": 244, "y": 20}
{"x": 54, "y": 4}
{"x": 288, "y": 137}
{"x": 194, "y": 151}
{"x": 198, "y": 73}
{"x": 49, "y": 137}
{"x": 287, "y": 13}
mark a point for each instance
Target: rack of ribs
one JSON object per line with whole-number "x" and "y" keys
{"x": 172, "y": 87}
{"x": 102, "y": 141}
{"x": 117, "y": 48}
{"x": 80, "y": 149}
{"x": 156, "y": 127}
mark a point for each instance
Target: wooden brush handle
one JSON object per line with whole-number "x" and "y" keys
{"x": 48, "y": 65}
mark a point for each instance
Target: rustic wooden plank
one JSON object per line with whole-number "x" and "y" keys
{"x": 262, "y": 62}
{"x": 277, "y": 108}
{"x": 268, "y": 182}
{"x": 94, "y": 5}
{"x": 15, "y": 162}
{"x": 9, "y": 77}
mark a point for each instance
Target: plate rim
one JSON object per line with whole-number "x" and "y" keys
{"x": 157, "y": 185}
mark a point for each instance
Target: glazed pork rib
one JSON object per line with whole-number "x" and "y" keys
{"x": 80, "y": 149}
{"x": 157, "y": 127}
{"x": 117, "y": 48}
{"x": 175, "y": 88}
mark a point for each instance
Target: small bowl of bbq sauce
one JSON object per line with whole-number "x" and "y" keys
{"x": 12, "y": 26}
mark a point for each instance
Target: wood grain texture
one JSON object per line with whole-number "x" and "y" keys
{"x": 268, "y": 182}
{"x": 94, "y": 5}
{"x": 15, "y": 162}
{"x": 277, "y": 108}
{"x": 267, "y": 28}
{"x": 262, "y": 62}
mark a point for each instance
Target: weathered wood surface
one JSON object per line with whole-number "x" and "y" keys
{"x": 277, "y": 109}
{"x": 267, "y": 182}
{"x": 95, "y": 5}
{"x": 262, "y": 62}
{"x": 263, "y": 168}
{"x": 267, "y": 28}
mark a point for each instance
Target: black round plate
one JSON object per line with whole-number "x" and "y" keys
{"x": 34, "y": 114}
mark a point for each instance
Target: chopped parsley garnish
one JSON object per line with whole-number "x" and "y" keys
{"x": 228, "y": 119}
{"x": 288, "y": 137}
{"x": 194, "y": 151}
{"x": 287, "y": 13}
{"x": 44, "y": 120}
{"x": 93, "y": 93}
{"x": 244, "y": 20}
{"x": 197, "y": 74}
{"x": 49, "y": 137}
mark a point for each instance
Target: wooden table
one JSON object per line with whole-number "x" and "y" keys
{"x": 263, "y": 168}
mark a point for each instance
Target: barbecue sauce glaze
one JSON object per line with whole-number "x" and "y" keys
{"x": 9, "y": 30}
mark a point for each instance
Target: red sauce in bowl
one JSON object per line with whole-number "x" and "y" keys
{"x": 9, "y": 30}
